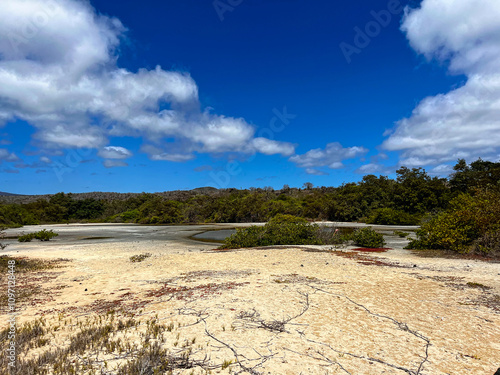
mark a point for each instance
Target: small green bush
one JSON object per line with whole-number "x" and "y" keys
{"x": 280, "y": 230}
{"x": 26, "y": 237}
{"x": 140, "y": 257}
{"x": 246, "y": 237}
{"x": 367, "y": 237}
{"x": 43, "y": 235}
{"x": 401, "y": 234}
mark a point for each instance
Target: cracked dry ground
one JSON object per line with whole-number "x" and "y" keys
{"x": 262, "y": 311}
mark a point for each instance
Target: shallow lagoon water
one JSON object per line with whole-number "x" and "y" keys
{"x": 214, "y": 235}
{"x": 107, "y": 233}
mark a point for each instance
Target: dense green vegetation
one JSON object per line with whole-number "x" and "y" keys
{"x": 471, "y": 224}
{"x": 367, "y": 237}
{"x": 292, "y": 230}
{"x": 414, "y": 197}
{"x": 282, "y": 230}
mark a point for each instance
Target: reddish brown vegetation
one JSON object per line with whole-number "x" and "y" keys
{"x": 363, "y": 259}
{"x": 199, "y": 291}
{"x": 372, "y": 250}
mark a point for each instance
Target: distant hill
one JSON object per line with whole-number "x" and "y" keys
{"x": 180, "y": 195}
{"x": 204, "y": 190}
{"x": 7, "y": 194}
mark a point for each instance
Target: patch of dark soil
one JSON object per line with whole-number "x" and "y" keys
{"x": 366, "y": 260}
{"x": 372, "y": 250}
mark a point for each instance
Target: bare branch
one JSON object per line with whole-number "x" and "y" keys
{"x": 400, "y": 325}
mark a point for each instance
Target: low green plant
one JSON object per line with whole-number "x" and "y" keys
{"x": 43, "y": 235}
{"x": 26, "y": 237}
{"x": 140, "y": 257}
{"x": 367, "y": 237}
{"x": 226, "y": 364}
{"x": 284, "y": 230}
{"x": 280, "y": 230}
{"x": 401, "y": 234}
{"x": 28, "y": 264}
{"x": 472, "y": 284}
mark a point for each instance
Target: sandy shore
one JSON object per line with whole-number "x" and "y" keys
{"x": 293, "y": 310}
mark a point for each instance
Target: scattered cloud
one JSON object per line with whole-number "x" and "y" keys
{"x": 114, "y": 163}
{"x": 5, "y": 155}
{"x": 76, "y": 96}
{"x": 316, "y": 172}
{"x": 172, "y": 157}
{"x": 442, "y": 170}
{"x": 45, "y": 159}
{"x": 32, "y": 165}
{"x": 156, "y": 153}
{"x": 114, "y": 152}
{"x": 379, "y": 156}
{"x": 6, "y": 170}
{"x": 270, "y": 147}
{"x": 465, "y": 122}
{"x": 5, "y": 142}
{"x": 332, "y": 156}
{"x": 375, "y": 168}
{"x": 41, "y": 171}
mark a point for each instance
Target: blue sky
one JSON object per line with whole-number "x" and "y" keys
{"x": 151, "y": 96}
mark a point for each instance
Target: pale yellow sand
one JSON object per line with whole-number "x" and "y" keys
{"x": 354, "y": 318}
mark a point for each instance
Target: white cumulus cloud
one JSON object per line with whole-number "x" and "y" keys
{"x": 465, "y": 122}
{"x": 332, "y": 156}
{"x": 114, "y": 152}
{"x": 270, "y": 147}
{"x": 59, "y": 72}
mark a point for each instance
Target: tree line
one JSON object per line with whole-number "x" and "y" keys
{"x": 412, "y": 198}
